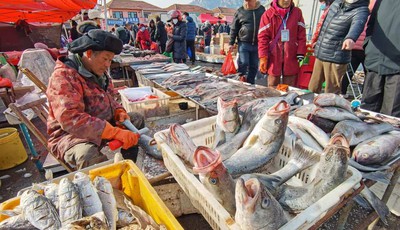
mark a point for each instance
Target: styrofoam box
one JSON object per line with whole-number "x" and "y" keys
{"x": 202, "y": 133}
{"x": 148, "y": 108}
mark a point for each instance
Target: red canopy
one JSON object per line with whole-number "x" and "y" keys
{"x": 43, "y": 10}
{"x": 210, "y": 18}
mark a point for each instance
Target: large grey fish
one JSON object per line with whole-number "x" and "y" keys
{"x": 263, "y": 143}
{"x": 331, "y": 99}
{"x": 90, "y": 200}
{"x": 39, "y": 211}
{"x": 70, "y": 208}
{"x": 301, "y": 158}
{"x": 256, "y": 208}
{"x": 357, "y": 132}
{"x": 306, "y": 138}
{"x": 181, "y": 143}
{"x": 51, "y": 193}
{"x": 215, "y": 177}
{"x": 377, "y": 149}
{"x": 304, "y": 111}
{"x": 318, "y": 134}
{"x": 227, "y": 122}
{"x": 16, "y": 222}
{"x": 332, "y": 171}
{"x": 106, "y": 195}
{"x": 335, "y": 114}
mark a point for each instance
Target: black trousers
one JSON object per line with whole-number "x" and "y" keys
{"x": 162, "y": 47}
{"x": 381, "y": 93}
{"x": 357, "y": 58}
{"x": 190, "y": 45}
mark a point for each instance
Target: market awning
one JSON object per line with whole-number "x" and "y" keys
{"x": 42, "y": 10}
{"x": 207, "y": 17}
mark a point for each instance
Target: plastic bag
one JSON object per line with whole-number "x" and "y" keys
{"x": 229, "y": 66}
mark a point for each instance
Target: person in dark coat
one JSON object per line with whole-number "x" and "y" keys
{"x": 124, "y": 33}
{"x": 342, "y": 26}
{"x": 74, "y": 32}
{"x": 207, "y": 30}
{"x": 190, "y": 36}
{"x": 217, "y": 28}
{"x": 226, "y": 28}
{"x": 245, "y": 29}
{"x": 161, "y": 34}
{"x": 381, "y": 91}
{"x": 152, "y": 30}
{"x": 178, "y": 35}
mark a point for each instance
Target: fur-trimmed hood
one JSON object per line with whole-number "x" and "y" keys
{"x": 84, "y": 26}
{"x": 246, "y": 7}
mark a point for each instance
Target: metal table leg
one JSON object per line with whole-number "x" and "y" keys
{"x": 28, "y": 140}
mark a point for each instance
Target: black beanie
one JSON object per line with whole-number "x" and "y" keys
{"x": 96, "y": 40}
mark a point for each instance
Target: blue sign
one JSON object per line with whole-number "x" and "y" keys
{"x": 121, "y": 21}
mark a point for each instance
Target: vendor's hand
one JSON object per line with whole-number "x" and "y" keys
{"x": 170, "y": 35}
{"x": 348, "y": 44}
{"x": 231, "y": 47}
{"x": 128, "y": 138}
{"x": 264, "y": 65}
{"x": 120, "y": 116}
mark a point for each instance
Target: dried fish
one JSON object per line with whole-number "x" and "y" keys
{"x": 106, "y": 195}
{"x": 90, "y": 200}
{"x": 70, "y": 208}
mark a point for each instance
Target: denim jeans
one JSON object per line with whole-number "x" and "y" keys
{"x": 248, "y": 60}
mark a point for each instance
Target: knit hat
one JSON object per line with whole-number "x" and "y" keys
{"x": 96, "y": 40}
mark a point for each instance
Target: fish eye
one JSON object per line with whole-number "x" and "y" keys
{"x": 278, "y": 121}
{"x": 265, "y": 203}
{"x": 213, "y": 181}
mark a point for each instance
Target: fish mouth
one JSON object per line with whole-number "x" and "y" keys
{"x": 174, "y": 129}
{"x": 279, "y": 108}
{"x": 252, "y": 192}
{"x": 339, "y": 140}
{"x": 225, "y": 104}
{"x": 205, "y": 159}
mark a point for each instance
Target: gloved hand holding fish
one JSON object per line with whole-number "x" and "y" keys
{"x": 81, "y": 203}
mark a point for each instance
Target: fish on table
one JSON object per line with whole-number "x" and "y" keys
{"x": 332, "y": 100}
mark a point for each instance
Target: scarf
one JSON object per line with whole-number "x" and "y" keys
{"x": 281, "y": 11}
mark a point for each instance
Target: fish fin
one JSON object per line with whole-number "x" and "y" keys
{"x": 362, "y": 202}
{"x": 304, "y": 155}
{"x": 381, "y": 176}
{"x": 379, "y": 206}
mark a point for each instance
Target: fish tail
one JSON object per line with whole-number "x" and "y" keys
{"x": 304, "y": 155}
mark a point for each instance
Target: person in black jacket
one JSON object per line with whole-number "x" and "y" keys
{"x": 74, "y": 32}
{"x": 381, "y": 92}
{"x": 190, "y": 36}
{"x": 342, "y": 26}
{"x": 207, "y": 30}
{"x": 178, "y": 36}
{"x": 245, "y": 27}
{"x": 152, "y": 30}
{"x": 161, "y": 34}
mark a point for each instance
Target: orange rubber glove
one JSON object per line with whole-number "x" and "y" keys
{"x": 128, "y": 138}
{"x": 120, "y": 115}
{"x": 263, "y": 65}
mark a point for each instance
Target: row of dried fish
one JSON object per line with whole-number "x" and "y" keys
{"x": 77, "y": 204}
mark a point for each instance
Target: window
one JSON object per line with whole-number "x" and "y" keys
{"x": 132, "y": 15}
{"x": 117, "y": 14}
{"x": 146, "y": 14}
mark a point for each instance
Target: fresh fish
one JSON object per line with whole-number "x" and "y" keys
{"x": 331, "y": 99}
{"x": 305, "y": 110}
{"x": 378, "y": 176}
{"x": 16, "y": 222}
{"x": 97, "y": 221}
{"x": 357, "y": 132}
{"x": 256, "y": 208}
{"x": 229, "y": 148}
{"x": 106, "y": 195}
{"x": 263, "y": 143}
{"x": 325, "y": 124}
{"x": 181, "y": 143}
{"x": 377, "y": 149}
{"x": 379, "y": 206}
{"x": 335, "y": 114}
{"x": 125, "y": 218}
{"x": 39, "y": 211}
{"x": 331, "y": 172}
{"x": 70, "y": 208}
{"x": 306, "y": 138}
{"x": 215, "y": 177}
{"x": 301, "y": 158}
{"x": 227, "y": 122}
{"x": 90, "y": 200}
{"x": 318, "y": 134}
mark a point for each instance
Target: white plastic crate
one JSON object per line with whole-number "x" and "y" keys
{"x": 148, "y": 108}
{"x": 202, "y": 133}
{"x": 142, "y": 81}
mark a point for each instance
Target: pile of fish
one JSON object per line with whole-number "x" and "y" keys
{"x": 149, "y": 58}
{"x": 239, "y": 169}
{"x": 172, "y": 67}
{"x": 77, "y": 204}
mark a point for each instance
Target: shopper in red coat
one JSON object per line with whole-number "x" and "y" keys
{"x": 143, "y": 37}
{"x": 281, "y": 42}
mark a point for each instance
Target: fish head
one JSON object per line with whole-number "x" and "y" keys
{"x": 206, "y": 160}
{"x": 336, "y": 154}
{"x": 276, "y": 118}
{"x": 64, "y": 182}
{"x": 228, "y": 115}
{"x": 369, "y": 152}
{"x": 255, "y": 206}
{"x": 182, "y": 142}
